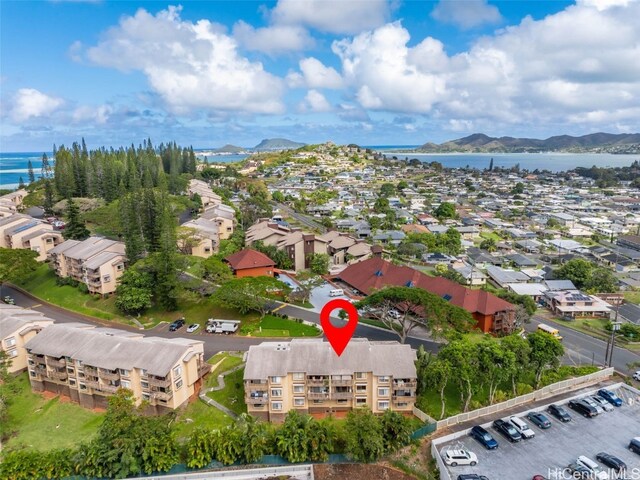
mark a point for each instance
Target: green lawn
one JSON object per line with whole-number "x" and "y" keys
{"x": 591, "y": 326}
{"x": 194, "y": 265}
{"x": 44, "y": 424}
{"x": 199, "y": 414}
{"x": 226, "y": 363}
{"x": 632, "y": 297}
{"x": 488, "y": 235}
{"x": 271, "y": 326}
{"x": 232, "y": 395}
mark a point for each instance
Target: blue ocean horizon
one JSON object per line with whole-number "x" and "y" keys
{"x": 14, "y": 165}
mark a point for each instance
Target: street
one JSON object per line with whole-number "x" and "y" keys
{"x": 306, "y": 220}
{"x": 581, "y": 348}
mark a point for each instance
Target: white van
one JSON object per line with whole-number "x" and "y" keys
{"x": 336, "y": 292}
{"x": 597, "y": 472}
{"x": 522, "y": 427}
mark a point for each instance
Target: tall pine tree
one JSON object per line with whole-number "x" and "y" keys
{"x": 47, "y": 203}
{"x": 32, "y": 177}
{"x": 165, "y": 261}
{"x": 75, "y": 228}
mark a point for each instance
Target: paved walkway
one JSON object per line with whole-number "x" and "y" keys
{"x": 210, "y": 401}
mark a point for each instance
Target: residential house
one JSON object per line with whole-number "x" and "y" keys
{"x": 208, "y": 197}
{"x": 343, "y": 248}
{"x": 473, "y": 276}
{"x": 574, "y": 303}
{"x": 308, "y": 377}
{"x": 17, "y": 326}
{"x": 96, "y": 262}
{"x": 16, "y": 197}
{"x": 491, "y": 313}
{"x": 222, "y": 215}
{"x": 208, "y": 233}
{"x": 629, "y": 241}
{"x": 299, "y": 246}
{"x": 250, "y": 263}
{"x": 89, "y": 365}
{"x": 25, "y": 232}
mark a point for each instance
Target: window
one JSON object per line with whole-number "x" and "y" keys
{"x": 402, "y": 405}
{"x": 10, "y": 342}
{"x": 276, "y": 392}
{"x": 145, "y": 396}
{"x": 177, "y": 371}
{"x": 70, "y": 370}
{"x": 276, "y": 380}
{"x": 383, "y": 392}
{"x": 32, "y": 373}
{"x": 298, "y": 402}
{"x": 229, "y": 229}
{"x": 179, "y": 384}
{"x": 124, "y": 373}
{"x": 106, "y": 278}
{"x": 31, "y": 362}
{"x": 298, "y": 389}
{"x": 144, "y": 384}
{"x": 143, "y": 372}
{"x": 276, "y": 405}
{"x": 361, "y": 401}
{"x": 120, "y": 267}
{"x": 361, "y": 388}
{"x": 361, "y": 375}
{"x": 383, "y": 379}
{"x": 299, "y": 376}
{"x": 72, "y": 382}
{"x": 12, "y": 353}
{"x": 207, "y": 249}
{"x": 383, "y": 405}
{"x": 125, "y": 384}
{"x": 82, "y": 386}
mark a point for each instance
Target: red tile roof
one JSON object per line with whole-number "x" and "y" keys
{"x": 249, "y": 258}
{"x": 376, "y": 273}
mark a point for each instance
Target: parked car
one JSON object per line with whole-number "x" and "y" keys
{"x": 176, "y": 325}
{"x": 539, "y": 477}
{"x": 454, "y": 458}
{"x": 522, "y": 427}
{"x": 594, "y": 404}
{"x": 192, "y": 328}
{"x": 593, "y": 467}
{"x": 471, "y": 476}
{"x": 9, "y": 300}
{"x": 578, "y": 472}
{"x": 611, "y": 461}
{"x": 559, "y": 412}
{"x": 610, "y": 397}
{"x": 636, "y": 376}
{"x": 507, "y": 430}
{"x": 583, "y": 408}
{"x": 539, "y": 420}
{"x": 484, "y": 437}
{"x": 634, "y": 445}
{"x": 606, "y": 406}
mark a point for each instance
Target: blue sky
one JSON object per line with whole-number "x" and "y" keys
{"x": 371, "y": 72}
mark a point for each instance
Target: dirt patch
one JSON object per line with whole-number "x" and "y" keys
{"x": 358, "y": 472}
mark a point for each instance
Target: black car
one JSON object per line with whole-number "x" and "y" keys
{"x": 484, "y": 437}
{"x": 507, "y": 430}
{"x": 583, "y": 408}
{"x": 580, "y": 472}
{"x": 539, "y": 420}
{"x": 611, "y": 461}
{"x": 634, "y": 445}
{"x": 471, "y": 476}
{"x": 559, "y": 412}
{"x": 176, "y": 325}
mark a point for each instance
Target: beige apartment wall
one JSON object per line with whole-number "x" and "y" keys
{"x": 224, "y": 225}
{"x": 299, "y": 260}
{"x": 111, "y": 270}
{"x": 16, "y": 238}
{"x": 200, "y": 249}
{"x": 19, "y": 362}
{"x": 3, "y": 240}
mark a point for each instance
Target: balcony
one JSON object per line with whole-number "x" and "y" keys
{"x": 109, "y": 388}
{"x": 405, "y": 394}
{"x": 341, "y": 383}
{"x": 109, "y": 374}
{"x": 41, "y": 370}
{"x": 89, "y": 370}
{"x": 311, "y": 381}
{"x": 203, "y": 370}
{"x": 341, "y": 395}
{"x": 92, "y": 384}
{"x": 403, "y": 384}
{"x": 256, "y": 383}
{"x": 39, "y": 360}
{"x": 58, "y": 375}
{"x": 255, "y": 400}
{"x": 56, "y": 362}
{"x": 318, "y": 396}
{"x": 159, "y": 382}
{"x": 161, "y": 395}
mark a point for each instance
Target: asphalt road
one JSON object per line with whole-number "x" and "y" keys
{"x": 212, "y": 343}
{"x": 581, "y": 348}
{"x": 306, "y": 220}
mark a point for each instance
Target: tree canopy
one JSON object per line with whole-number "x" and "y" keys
{"x": 17, "y": 264}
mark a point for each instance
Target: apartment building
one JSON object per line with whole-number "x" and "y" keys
{"x": 89, "y": 364}
{"x": 96, "y": 262}
{"x": 208, "y": 234}
{"x": 204, "y": 191}
{"x": 17, "y": 326}
{"x": 15, "y": 197}
{"x": 224, "y": 216}
{"x": 23, "y": 231}
{"x": 307, "y": 376}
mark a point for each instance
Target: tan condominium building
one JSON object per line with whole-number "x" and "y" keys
{"x": 308, "y": 376}
{"x": 89, "y": 364}
{"x": 96, "y": 262}
{"x": 17, "y": 326}
{"x": 25, "y": 232}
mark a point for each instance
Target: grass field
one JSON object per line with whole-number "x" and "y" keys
{"x": 44, "y": 424}
{"x": 232, "y": 395}
{"x": 271, "y": 326}
{"x": 199, "y": 414}
{"x": 632, "y": 297}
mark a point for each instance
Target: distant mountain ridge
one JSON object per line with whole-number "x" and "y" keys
{"x": 277, "y": 144}
{"x": 228, "y": 148}
{"x": 592, "y": 143}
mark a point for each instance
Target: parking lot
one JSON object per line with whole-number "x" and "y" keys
{"x": 553, "y": 449}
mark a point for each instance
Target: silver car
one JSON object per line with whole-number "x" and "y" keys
{"x": 603, "y": 403}
{"x": 594, "y": 404}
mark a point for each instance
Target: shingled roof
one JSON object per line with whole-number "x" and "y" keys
{"x": 249, "y": 258}
{"x": 376, "y": 273}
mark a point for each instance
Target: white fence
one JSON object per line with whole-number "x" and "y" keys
{"x": 299, "y": 472}
{"x": 545, "y": 392}
{"x": 422, "y": 416}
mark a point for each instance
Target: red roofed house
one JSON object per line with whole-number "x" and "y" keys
{"x": 250, "y": 263}
{"x": 492, "y": 313}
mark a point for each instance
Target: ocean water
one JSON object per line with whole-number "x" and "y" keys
{"x": 14, "y": 165}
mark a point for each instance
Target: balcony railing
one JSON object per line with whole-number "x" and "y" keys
{"x": 317, "y": 396}
{"x": 58, "y": 375}
{"x": 407, "y": 394}
{"x": 341, "y": 395}
{"x": 39, "y": 360}
{"x": 317, "y": 381}
{"x": 57, "y": 362}
{"x": 203, "y": 370}
{"x": 344, "y": 383}
{"x": 402, "y": 384}
{"x": 41, "y": 370}
{"x": 256, "y": 400}
{"x": 88, "y": 370}
{"x": 109, "y": 375}
{"x": 161, "y": 395}
{"x": 256, "y": 383}
{"x": 109, "y": 388}
{"x": 92, "y": 384}
{"x": 159, "y": 382}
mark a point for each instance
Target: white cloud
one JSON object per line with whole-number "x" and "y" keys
{"x": 190, "y": 65}
{"x": 333, "y": 16}
{"x": 30, "y": 103}
{"x": 466, "y": 13}
{"x": 316, "y": 102}
{"x": 272, "y": 40}
{"x": 315, "y": 75}
{"x": 604, "y": 4}
{"x": 99, "y": 115}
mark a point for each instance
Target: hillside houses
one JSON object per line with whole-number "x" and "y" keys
{"x": 24, "y": 232}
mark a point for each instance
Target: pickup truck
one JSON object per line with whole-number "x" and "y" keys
{"x": 222, "y": 326}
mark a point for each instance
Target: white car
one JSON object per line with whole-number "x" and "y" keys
{"x": 636, "y": 376}
{"x": 459, "y": 457}
{"x": 595, "y": 469}
{"x": 594, "y": 404}
{"x": 522, "y": 427}
{"x": 193, "y": 327}
{"x": 606, "y": 406}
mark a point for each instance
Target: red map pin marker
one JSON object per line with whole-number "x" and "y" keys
{"x": 339, "y": 337}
